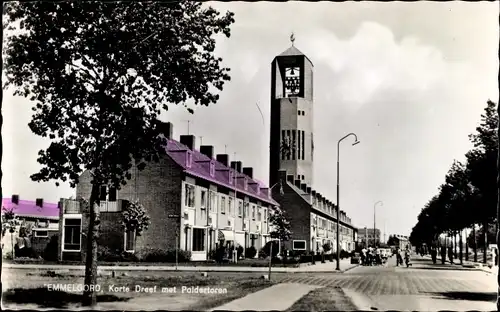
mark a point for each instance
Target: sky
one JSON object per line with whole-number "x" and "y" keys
{"x": 410, "y": 79}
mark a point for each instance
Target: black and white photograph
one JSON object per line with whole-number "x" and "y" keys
{"x": 250, "y": 156}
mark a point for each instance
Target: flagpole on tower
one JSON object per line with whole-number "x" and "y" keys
{"x": 292, "y": 38}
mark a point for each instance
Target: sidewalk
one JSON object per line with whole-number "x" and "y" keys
{"x": 318, "y": 267}
{"x": 469, "y": 264}
{"x": 279, "y": 297}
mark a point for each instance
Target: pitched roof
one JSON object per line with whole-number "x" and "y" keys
{"x": 293, "y": 51}
{"x": 177, "y": 151}
{"x": 28, "y": 208}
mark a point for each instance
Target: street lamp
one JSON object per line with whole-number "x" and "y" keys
{"x": 338, "y": 188}
{"x": 374, "y": 228}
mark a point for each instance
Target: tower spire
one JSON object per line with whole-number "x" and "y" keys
{"x": 292, "y": 38}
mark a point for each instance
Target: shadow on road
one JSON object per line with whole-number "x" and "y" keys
{"x": 469, "y": 296}
{"x": 445, "y": 268}
{"x": 49, "y": 298}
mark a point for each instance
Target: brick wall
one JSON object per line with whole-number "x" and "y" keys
{"x": 40, "y": 243}
{"x": 297, "y": 212}
{"x": 158, "y": 187}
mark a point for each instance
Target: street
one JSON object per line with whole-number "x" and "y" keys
{"x": 422, "y": 287}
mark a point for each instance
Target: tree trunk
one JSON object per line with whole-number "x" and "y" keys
{"x": 466, "y": 246}
{"x": 89, "y": 295}
{"x": 461, "y": 247}
{"x": 475, "y": 241}
{"x": 485, "y": 247}
{"x": 454, "y": 244}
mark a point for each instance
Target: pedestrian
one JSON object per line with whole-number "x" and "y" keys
{"x": 443, "y": 254}
{"x": 434, "y": 254}
{"x": 450, "y": 254}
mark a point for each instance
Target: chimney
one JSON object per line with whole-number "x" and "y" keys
{"x": 303, "y": 187}
{"x": 188, "y": 140}
{"x": 39, "y": 202}
{"x": 289, "y": 178}
{"x": 207, "y": 150}
{"x": 236, "y": 165}
{"x": 248, "y": 171}
{"x": 313, "y": 192}
{"x": 15, "y": 199}
{"x": 166, "y": 128}
{"x": 223, "y": 159}
{"x": 308, "y": 190}
{"x": 297, "y": 183}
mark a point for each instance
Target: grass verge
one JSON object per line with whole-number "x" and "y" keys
{"x": 324, "y": 299}
{"x": 31, "y": 289}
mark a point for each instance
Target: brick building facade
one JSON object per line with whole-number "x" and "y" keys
{"x": 201, "y": 197}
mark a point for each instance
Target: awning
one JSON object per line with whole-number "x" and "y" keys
{"x": 225, "y": 235}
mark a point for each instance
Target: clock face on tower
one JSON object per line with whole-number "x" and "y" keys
{"x": 292, "y": 81}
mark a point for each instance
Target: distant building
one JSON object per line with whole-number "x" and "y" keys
{"x": 402, "y": 240}
{"x": 43, "y": 218}
{"x": 312, "y": 216}
{"x": 203, "y": 197}
{"x": 369, "y": 236}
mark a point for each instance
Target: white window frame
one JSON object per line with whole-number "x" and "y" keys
{"x": 223, "y": 204}
{"x": 125, "y": 241}
{"x": 240, "y": 208}
{"x": 203, "y": 199}
{"x": 230, "y": 209}
{"x": 299, "y": 240}
{"x": 186, "y": 195}
{"x": 72, "y": 217}
{"x": 212, "y": 168}
{"x": 253, "y": 212}
{"x": 212, "y": 201}
{"x": 189, "y": 159}
{"x": 37, "y": 231}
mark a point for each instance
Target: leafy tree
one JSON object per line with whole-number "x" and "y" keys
{"x": 135, "y": 218}
{"x": 280, "y": 224}
{"x": 392, "y": 240}
{"x": 100, "y": 73}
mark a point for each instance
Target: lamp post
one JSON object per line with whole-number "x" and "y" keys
{"x": 374, "y": 228}
{"x": 338, "y": 188}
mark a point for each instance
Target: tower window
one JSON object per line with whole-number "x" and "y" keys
{"x": 283, "y": 139}
{"x": 302, "y": 177}
{"x": 289, "y": 152}
{"x": 303, "y": 149}
{"x": 298, "y": 146}
{"x": 303, "y": 113}
{"x": 300, "y": 113}
{"x": 293, "y": 151}
{"x": 298, "y": 177}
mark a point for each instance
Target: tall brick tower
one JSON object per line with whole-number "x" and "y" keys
{"x": 291, "y": 142}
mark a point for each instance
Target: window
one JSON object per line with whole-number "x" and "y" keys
{"x": 298, "y": 145}
{"x": 303, "y": 113}
{"x": 302, "y": 177}
{"x": 231, "y": 176}
{"x": 203, "y": 199}
{"x": 189, "y": 159}
{"x": 112, "y": 194}
{"x": 265, "y": 215}
{"x": 303, "y": 149}
{"x": 129, "y": 240}
{"x": 189, "y": 195}
{"x": 292, "y": 81}
{"x": 288, "y": 135}
{"x": 247, "y": 210}
{"x": 299, "y": 245}
{"x": 212, "y": 168}
{"x": 230, "y": 206}
{"x": 103, "y": 193}
{"x": 253, "y": 212}
{"x": 283, "y": 138}
{"x": 294, "y": 134}
{"x": 240, "y": 208}
{"x": 213, "y": 202}
{"x": 198, "y": 239}
{"x": 41, "y": 233}
{"x": 72, "y": 234}
{"x": 299, "y": 112}
{"x": 223, "y": 204}
{"x": 259, "y": 214}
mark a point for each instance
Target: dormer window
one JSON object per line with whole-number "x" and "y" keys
{"x": 212, "y": 169}
{"x": 245, "y": 183}
{"x": 189, "y": 159}
{"x": 231, "y": 176}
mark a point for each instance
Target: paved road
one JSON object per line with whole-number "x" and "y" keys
{"x": 423, "y": 286}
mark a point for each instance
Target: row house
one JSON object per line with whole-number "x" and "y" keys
{"x": 313, "y": 218}
{"x": 195, "y": 199}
